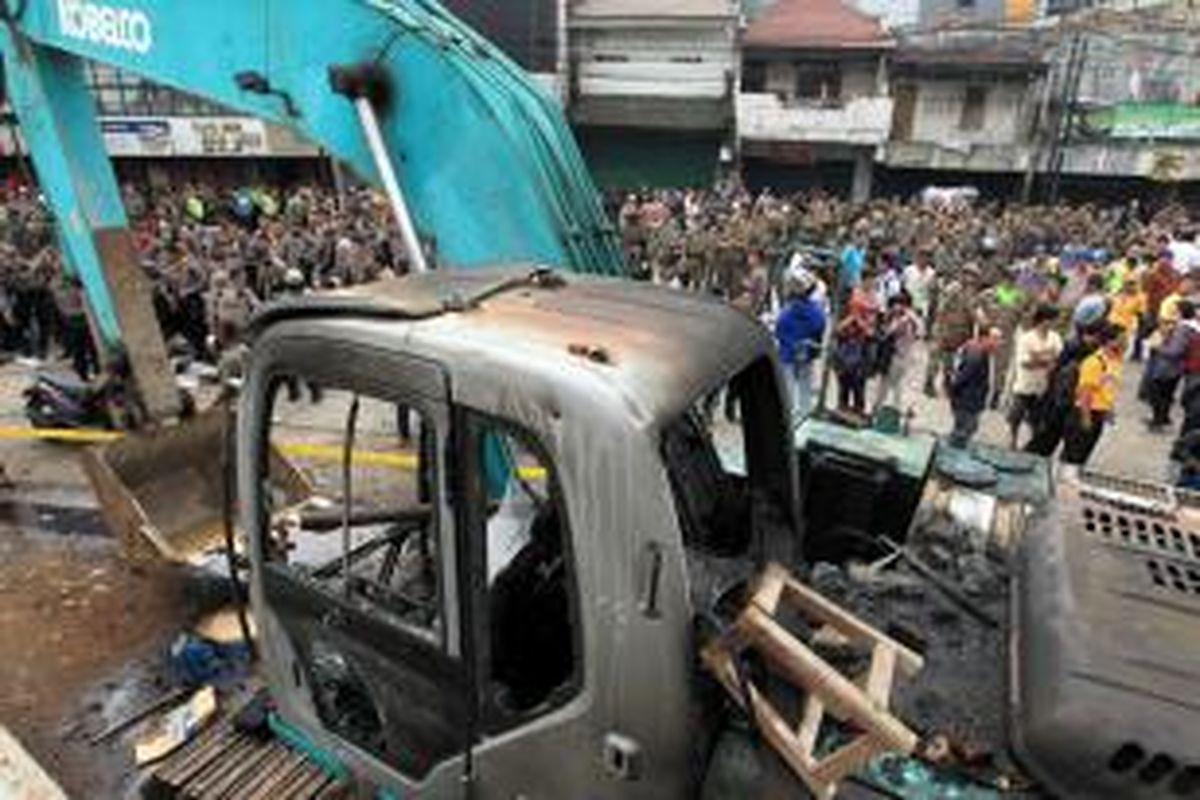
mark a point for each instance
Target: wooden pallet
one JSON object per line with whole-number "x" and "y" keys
{"x": 861, "y": 703}
{"x": 225, "y": 764}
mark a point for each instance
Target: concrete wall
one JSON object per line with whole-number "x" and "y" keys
{"x": 625, "y": 71}
{"x": 862, "y": 121}
{"x": 939, "y": 110}
{"x": 688, "y": 61}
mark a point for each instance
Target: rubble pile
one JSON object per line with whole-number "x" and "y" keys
{"x": 958, "y": 701}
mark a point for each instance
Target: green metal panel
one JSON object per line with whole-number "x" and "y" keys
{"x": 912, "y": 453}
{"x": 626, "y": 159}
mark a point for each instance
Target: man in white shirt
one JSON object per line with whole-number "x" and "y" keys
{"x": 1037, "y": 352}
{"x": 919, "y": 278}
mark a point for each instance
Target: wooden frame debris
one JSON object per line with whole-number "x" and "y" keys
{"x": 862, "y": 703}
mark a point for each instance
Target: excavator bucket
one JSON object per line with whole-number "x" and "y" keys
{"x": 163, "y": 492}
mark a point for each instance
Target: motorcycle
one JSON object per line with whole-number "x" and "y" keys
{"x": 62, "y": 401}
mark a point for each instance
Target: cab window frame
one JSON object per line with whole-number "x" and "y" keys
{"x": 471, "y": 425}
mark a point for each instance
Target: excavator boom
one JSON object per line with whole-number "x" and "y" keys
{"x": 483, "y": 156}
{"x": 477, "y": 161}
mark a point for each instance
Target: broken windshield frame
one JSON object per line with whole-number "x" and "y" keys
{"x": 731, "y": 469}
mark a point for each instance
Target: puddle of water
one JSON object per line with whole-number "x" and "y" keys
{"x": 34, "y": 517}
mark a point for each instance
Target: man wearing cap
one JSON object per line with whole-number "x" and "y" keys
{"x": 800, "y": 331}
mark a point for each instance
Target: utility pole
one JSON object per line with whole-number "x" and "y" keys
{"x": 1066, "y": 112}
{"x": 1050, "y": 128}
{"x": 1038, "y": 129}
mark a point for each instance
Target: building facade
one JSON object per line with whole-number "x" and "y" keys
{"x": 939, "y": 13}
{"x": 794, "y": 93}
{"x": 652, "y": 85}
{"x": 966, "y": 107}
{"x": 813, "y": 107}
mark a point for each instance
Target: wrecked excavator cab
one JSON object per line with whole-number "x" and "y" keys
{"x": 163, "y": 492}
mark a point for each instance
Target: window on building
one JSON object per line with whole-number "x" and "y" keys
{"x": 973, "y": 109}
{"x": 818, "y": 82}
{"x": 966, "y": 5}
{"x": 754, "y": 76}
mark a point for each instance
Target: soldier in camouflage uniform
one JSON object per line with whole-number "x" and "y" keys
{"x": 958, "y": 317}
{"x": 1003, "y": 306}
{"x": 729, "y": 260}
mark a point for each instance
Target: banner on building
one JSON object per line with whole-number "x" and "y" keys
{"x": 191, "y": 137}
{"x": 1173, "y": 121}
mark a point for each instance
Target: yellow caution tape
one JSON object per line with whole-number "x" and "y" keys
{"x": 90, "y": 435}
{"x": 399, "y": 459}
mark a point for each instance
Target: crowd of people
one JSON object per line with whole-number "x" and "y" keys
{"x": 1031, "y": 310}
{"x": 1034, "y": 309}
{"x": 212, "y": 257}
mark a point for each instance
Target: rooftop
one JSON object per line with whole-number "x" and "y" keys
{"x": 816, "y": 24}
{"x": 980, "y": 55}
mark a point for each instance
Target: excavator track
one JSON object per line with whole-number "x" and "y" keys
{"x": 226, "y": 764}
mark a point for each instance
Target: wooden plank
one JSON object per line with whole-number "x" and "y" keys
{"x": 863, "y": 703}
{"x": 251, "y": 762}
{"x": 810, "y": 724}
{"x": 278, "y": 755}
{"x": 879, "y": 676}
{"x": 770, "y": 588}
{"x": 205, "y": 758}
{"x": 316, "y": 788}
{"x": 179, "y": 760}
{"x": 199, "y": 783}
{"x": 271, "y": 776}
{"x": 309, "y": 789}
{"x": 829, "y": 613}
{"x": 270, "y": 788}
{"x": 779, "y": 734}
{"x": 808, "y": 670}
{"x": 295, "y": 785}
{"x": 21, "y": 776}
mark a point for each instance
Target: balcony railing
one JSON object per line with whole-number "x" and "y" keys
{"x": 857, "y": 121}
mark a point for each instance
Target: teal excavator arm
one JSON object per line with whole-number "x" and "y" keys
{"x": 472, "y": 154}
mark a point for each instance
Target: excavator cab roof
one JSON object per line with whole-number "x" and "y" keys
{"x": 658, "y": 347}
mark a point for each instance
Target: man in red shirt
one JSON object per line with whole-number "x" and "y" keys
{"x": 1160, "y": 282}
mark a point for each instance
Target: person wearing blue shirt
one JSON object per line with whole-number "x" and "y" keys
{"x": 853, "y": 261}
{"x": 799, "y": 331}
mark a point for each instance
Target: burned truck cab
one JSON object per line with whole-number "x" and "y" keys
{"x": 527, "y": 488}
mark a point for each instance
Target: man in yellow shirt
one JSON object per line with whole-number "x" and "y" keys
{"x": 1127, "y": 308}
{"x": 1095, "y": 396}
{"x": 1168, "y": 313}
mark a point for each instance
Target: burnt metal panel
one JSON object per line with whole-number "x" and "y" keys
{"x": 1106, "y": 648}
